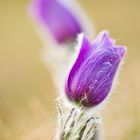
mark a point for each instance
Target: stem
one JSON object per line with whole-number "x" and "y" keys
{"x": 77, "y": 125}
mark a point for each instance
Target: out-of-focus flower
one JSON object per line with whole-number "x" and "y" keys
{"x": 91, "y": 77}
{"x": 57, "y": 18}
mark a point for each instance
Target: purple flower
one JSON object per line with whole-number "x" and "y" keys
{"x": 57, "y": 18}
{"x": 91, "y": 77}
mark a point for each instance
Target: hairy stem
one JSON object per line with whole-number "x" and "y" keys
{"x": 77, "y": 125}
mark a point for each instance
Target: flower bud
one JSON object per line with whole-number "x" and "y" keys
{"x": 58, "y": 19}
{"x": 91, "y": 77}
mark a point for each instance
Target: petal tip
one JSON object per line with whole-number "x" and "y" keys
{"x": 82, "y": 40}
{"x": 104, "y": 40}
{"x": 122, "y": 51}
{"x": 104, "y": 33}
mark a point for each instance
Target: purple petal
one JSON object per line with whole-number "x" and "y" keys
{"x": 59, "y": 20}
{"x": 103, "y": 41}
{"x": 85, "y": 47}
{"x": 95, "y": 77}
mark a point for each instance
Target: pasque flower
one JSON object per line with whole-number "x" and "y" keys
{"x": 58, "y": 19}
{"x": 91, "y": 77}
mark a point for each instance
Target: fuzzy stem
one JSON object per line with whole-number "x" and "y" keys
{"x": 77, "y": 125}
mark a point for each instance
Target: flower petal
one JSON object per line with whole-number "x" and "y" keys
{"x": 84, "y": 50}
{"x": 94, "y": 79}
{"x": 103, "y": 41}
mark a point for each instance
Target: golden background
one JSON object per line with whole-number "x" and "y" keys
{"x": 27, "y": 94}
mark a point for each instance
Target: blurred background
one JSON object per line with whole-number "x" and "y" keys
{"x": 27, "y": 93}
